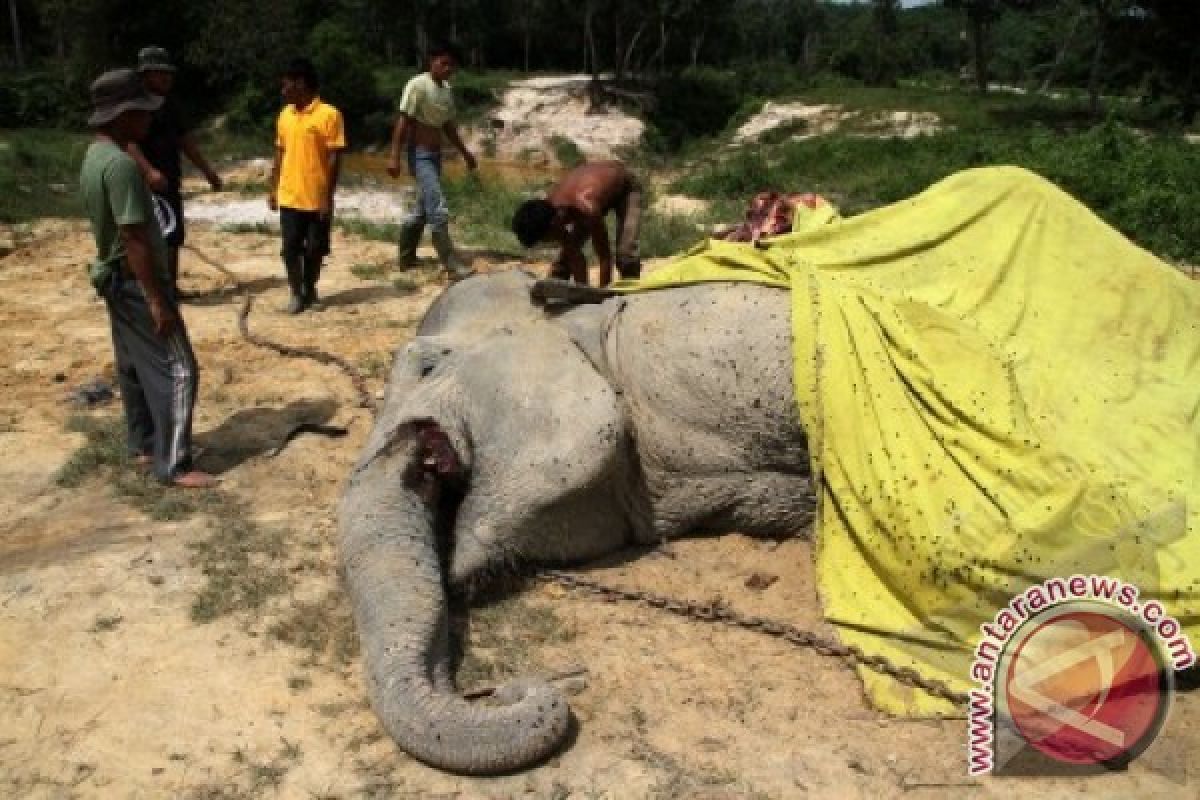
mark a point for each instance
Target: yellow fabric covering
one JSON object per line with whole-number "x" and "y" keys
{"x": 998, "y": 388}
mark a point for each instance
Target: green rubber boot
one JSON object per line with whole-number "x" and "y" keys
{"x": 410, "y": 237}
{"x": 449, "y": 257}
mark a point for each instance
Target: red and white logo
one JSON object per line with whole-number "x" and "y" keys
{"x": 1075, "y": 673}
{"x": 1086, "y": 684}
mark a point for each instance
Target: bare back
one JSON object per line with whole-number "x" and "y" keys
{"x": 591, "y": 190}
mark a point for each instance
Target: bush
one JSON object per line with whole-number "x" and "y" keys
{"x": 696, "y": 103}
{"x": 252, "y": 111}
{"x": 347, "y": 78}
{"x": 37, "y": 99}
{"x": 566, "y": 152}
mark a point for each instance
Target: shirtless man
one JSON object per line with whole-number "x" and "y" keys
{"x": 573, "y": 212}
{"x": 427, "y": 115}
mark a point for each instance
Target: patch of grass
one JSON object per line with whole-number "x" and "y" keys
{"x": 243, "y": 564}
{"x": 247, "y": 227}
{"x": 375, "y": 365}
{"x": 370, "y": 272}
{"x": 106, "y": 623}
{"x": 566, "y": 152}
{"x": 505, "y": 638}
{"x": 248, "y": 188}
{"x": 481, "y": 211}
{"x": 299, "y": 683}
{"x": 255, "y": 778}
{"x": 104, "y": 447}
{"x": 39, "y": 174}
{"x": 325, "y": 629}
{"x": 103, "y": 456}
{"x": 406, "y": 284}
{"x": 372, "y": 231}
{"x": 668, "y": 234}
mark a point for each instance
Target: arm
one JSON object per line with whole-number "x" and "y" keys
{"x": 273, "y": 181}
{"x": 154, "y": 179}
{"x": 140, "y": 258}
{"x": 335, "y": 170}
{"x": 451, "y": 131}
{"x": 192, "y": 151}
{"x": 599, "y": 234}
{"x": 399, "y": 134}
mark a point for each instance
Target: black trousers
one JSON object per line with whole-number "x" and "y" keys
{"x": 305, "y": 244}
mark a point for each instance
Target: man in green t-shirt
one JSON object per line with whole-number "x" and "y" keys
{"x": 155, "y": 364}
{"x": 426, "y": 116}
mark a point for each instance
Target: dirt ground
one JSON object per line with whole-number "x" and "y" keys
{"x": 204, "y": 649}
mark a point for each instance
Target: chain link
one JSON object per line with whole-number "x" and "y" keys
{"x": 719, "y": 611}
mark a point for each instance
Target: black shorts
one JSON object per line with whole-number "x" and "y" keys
{"x": 305, "y": 233}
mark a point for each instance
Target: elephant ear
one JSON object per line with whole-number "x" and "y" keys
{"x": 465, "y": 315}
{"x": 412, "y": 363}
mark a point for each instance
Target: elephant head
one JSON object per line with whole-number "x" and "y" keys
{"x": 498, "y": 441}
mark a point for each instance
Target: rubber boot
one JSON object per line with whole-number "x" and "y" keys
{"x": 410, "y": 237}
{"x": 451, "y": 260}
{"x": 295, "y": 279}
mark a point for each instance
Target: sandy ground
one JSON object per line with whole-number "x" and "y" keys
{"x": 212, "y": 656}
{"x": 803, "y": 121}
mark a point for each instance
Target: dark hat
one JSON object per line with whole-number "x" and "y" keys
{"x": 154, "y": 59}
{"x": 116, "y": 92}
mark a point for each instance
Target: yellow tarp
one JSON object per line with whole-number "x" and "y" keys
{"x": 998, "y": 388}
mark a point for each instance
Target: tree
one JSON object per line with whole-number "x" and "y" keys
{"x": 15, "y": 20}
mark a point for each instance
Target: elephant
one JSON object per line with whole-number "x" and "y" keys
{"x": 511, "y": 433}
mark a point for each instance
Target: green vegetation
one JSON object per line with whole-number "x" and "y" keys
{"x": 482, "y": 210}
{"x": 39, "y": 174}
{"x": 566, "y": 152}
{"x": 1143, "y": 184}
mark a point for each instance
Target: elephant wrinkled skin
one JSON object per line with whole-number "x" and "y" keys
{"x": 513, "y": 434}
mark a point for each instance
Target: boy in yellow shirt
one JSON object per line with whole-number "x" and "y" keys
{"x": 309, "y": 139}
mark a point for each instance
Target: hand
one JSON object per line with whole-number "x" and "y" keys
{"x": 163, "y": 316}
{"x": 469, "y": 157}
{"x": 214, "y": 181}
{"x": 272, "y": 202}
{"x": 326, "y": 207}
{"x": 393, "y": 168}
{"x": 157, "y": 181}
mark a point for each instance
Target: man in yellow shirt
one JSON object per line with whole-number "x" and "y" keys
{"x": 426, "y": 117}
{"x": 309, "y": 140}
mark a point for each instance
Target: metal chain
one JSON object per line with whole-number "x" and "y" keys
{"x": 365, "y": 399}
{"x": 719, "y": 611}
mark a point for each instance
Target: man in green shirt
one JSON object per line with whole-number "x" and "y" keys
{"x": 426, "y": 116}
{"x": 155, "y": 364}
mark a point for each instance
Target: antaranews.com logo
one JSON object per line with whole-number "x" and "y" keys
{"x": 1075, "y": 673}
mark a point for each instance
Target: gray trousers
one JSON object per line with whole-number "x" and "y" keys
{"x": 158, "y": 377}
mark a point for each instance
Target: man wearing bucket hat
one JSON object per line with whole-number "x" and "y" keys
{"x": 155, "y": 364}
{"x": 159, "y": 153}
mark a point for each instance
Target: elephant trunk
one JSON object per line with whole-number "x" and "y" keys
{"x": 391, "y": 567}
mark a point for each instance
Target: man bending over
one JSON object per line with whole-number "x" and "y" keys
{"x": 573, "y": 212}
